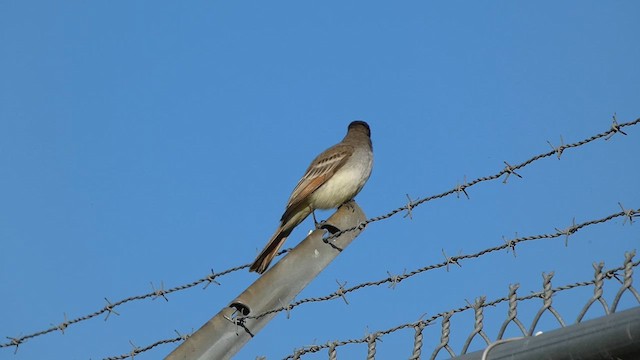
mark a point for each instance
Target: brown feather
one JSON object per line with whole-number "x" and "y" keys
{"x": 321, "y": 169}
{"x": 301, "y": 201}
{"x": 270, "y": 251}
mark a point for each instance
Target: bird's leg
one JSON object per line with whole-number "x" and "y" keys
{"x": 323, "y": 224}
{"x": 317, "y": 224}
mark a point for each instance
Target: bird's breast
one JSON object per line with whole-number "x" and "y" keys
{"x": 345, "y": 184}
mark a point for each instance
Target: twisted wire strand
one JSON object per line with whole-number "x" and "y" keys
{"x": 393, "y": 280}
{"x": 430, "y": 321}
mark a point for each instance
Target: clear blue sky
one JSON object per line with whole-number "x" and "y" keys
{"x": 153, "y": 141}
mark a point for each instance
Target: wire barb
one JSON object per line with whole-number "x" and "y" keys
{"x": 558, "y": 150}
{"x": 396, "y": 279}
{"x": 15, "y": 342}
{"x": 509, "y": 170}
{"x": 63, "y": 325}
{"x": 615, "y": 128}
{"x": 451, "y": 260}
{"x": 238, "y": 320}
{"x": 109, "y": 309}
{"x": 409, "y": 208}
{"x": 211, "y": 279}
{"x": 182, "y": 337}
{"x": 511, "y": 244}
{"x": 341, "y": 291}
{"x": 287, "y": 308}
{"x": 630, "y": 214}
{"x": 159, "y": 292}
{"x": 462, "y": 188}
{"x": 568, "y": 231}
{"x": 135, "y": 350}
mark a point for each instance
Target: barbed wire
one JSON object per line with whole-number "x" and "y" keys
{"x": 138, "y": 350}
{"x": 546, "y": 295}
{"x": 394, "y": 280}
{"x": 508, "y": 170}
{"x": 110, "y": 307}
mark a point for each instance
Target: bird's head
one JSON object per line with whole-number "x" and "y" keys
{"x": 360, "y": 126}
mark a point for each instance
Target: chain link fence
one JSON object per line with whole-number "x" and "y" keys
{"x": 507, "y": 305}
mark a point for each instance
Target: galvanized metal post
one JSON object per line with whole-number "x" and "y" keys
{"x": 614, "y": 336}
{"x": 223, "y": 335}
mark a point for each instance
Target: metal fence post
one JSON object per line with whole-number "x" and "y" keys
{"x": 224, "y": 335}
{"x": 614, "y": 336}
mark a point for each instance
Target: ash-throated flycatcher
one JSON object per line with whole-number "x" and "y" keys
{"x": 333, "y": 178}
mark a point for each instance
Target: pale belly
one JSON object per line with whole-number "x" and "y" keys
{"x": 344, "y": 185}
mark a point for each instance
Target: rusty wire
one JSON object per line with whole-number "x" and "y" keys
{"x": 508, "y": 170}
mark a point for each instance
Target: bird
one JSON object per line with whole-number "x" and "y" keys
{"x": 334, "y": 177}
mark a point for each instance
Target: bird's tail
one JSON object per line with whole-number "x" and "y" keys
{"x": 263, "y": 260}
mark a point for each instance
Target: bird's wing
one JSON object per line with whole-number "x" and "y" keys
{"x": 321, "y": 169}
